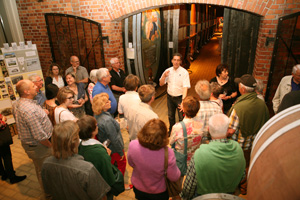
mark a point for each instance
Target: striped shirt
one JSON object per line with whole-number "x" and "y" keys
{"x": 32, "y": 122}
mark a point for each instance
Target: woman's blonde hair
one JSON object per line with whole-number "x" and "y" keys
{"x": 65, "y": 139}
{"x": 63, "y": 94}
{"x": 99, "y": 102}
{"x": 154, "y": 135}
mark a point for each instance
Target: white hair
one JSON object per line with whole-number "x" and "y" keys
{"x": 248, "y": 89}
{"x": 203, "y": 89}
{"x": 34, "y": 77}
{"x": 218, "y": 125}
{"x": 101, "y": 73}
{"x": 93, "y": 75}
{"x": 113, "y": 60}
{"x": 295, "y": 68}
{"x": 260, "y": 86}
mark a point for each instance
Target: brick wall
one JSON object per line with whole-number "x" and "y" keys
{"x": 109, "y": 14}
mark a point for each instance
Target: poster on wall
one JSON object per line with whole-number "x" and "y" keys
{"x": 17, "y": 65}
{"x": 151, "y": 40}
{"x": 6, "y": 110}
{"x": 33, "y": 64}
{"x": 3, "y": 69}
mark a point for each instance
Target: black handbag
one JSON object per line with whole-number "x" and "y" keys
{"x": 181, "y": 159}
{"x": 118, "y": 186}
{"x": 5, "y": 137}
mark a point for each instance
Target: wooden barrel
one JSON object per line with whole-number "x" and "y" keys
{"x": 274, "y": 171}
{"x": 218, "y": 196}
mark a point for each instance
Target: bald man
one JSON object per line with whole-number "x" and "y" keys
{"x": 33, "y": 125}
{"x": 82, "y": 75}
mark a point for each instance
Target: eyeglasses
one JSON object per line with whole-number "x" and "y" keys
{"x": 72, "y": 97}
{"x": 41, "y": 80}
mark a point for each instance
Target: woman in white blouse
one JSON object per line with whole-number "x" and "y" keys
{"x": 54, "y": 76}
{"x": 65, "y": 97}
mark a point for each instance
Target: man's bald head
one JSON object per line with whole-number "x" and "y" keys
{"x": 74, "y": 60}
{"x": 23, "y": 85}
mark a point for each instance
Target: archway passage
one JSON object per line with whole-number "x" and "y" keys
{"x": 201, "y": 68}
{"x": 119, "y": 11}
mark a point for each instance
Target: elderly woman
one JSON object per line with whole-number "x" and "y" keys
{"x": 65, "y": 97}
{"x": 109, "y": 128}
{"x": 93, "y": 78}
{"x": 146, "y": 156}
{"x": 229, "y": 88}
{"x": 190, "y": 106}
{"x": 80, "y": 97}
{"x": 50, "y": 103}
{"x": 94, "y": 151}
{"x": 54, "y": 76}
{"x": 80, "y": 180}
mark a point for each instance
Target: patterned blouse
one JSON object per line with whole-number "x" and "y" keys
{"x": 194, "y": 131}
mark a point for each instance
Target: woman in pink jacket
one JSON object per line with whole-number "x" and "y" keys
{"x": 146, "y": 156}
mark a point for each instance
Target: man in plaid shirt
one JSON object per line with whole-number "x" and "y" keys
{"x": 207, "y": 108}
{"x": 33, "y": 125}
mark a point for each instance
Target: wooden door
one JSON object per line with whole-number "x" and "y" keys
{"x": 240, "y": 33}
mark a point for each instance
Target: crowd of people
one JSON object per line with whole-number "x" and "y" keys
{"x": 77, "y": 148}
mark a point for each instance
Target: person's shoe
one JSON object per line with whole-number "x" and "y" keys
{"x": 17, "y": 179}
{"x": 4, "y": 177}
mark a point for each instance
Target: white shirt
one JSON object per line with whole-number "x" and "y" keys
{"x": 284, "y": 87}
{"x": 64, "y": 116}
{"x": 89, "y": 142}
{"x": 60, "y": 83}
{"x": 177, "y": 80}
{"x": 126, "y": 101}
{"x": 138, "y": 116}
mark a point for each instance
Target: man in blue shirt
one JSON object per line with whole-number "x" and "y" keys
{"x": 103, "y": 77}
{"x": 39, "y": 82}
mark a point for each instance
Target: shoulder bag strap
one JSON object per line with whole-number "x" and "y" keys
{"x": 185, "y": 137}
{"x": 166, "y": 161}
{"x": 59, "y": 115}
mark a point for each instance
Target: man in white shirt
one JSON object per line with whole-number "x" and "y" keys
{"x": 131, "y": 97}
{"x": 286, "y": 85}
{"x": 178, "y": 81}
{"x": 140, "y": 114}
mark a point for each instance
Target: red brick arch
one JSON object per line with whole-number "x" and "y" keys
{"x": 270, "y": 10}
{"x": 121, "y": 9}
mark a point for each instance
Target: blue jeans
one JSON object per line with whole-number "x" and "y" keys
{"x": 173, "y": 103}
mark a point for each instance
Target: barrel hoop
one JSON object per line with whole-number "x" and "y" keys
{"x": 276, "y": 135}
{"x": 273, "y": 120}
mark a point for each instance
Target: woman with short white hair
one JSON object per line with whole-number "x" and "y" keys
{"x": 93, "y": 78}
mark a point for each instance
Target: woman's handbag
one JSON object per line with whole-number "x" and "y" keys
{"x": 118, "y": 186}
{"x": 181, "y": 159}
{"x": 174, "y": 188}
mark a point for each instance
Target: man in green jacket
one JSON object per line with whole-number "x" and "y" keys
{"x": 217, "y": 167}
{"x": 247, "y": 116}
